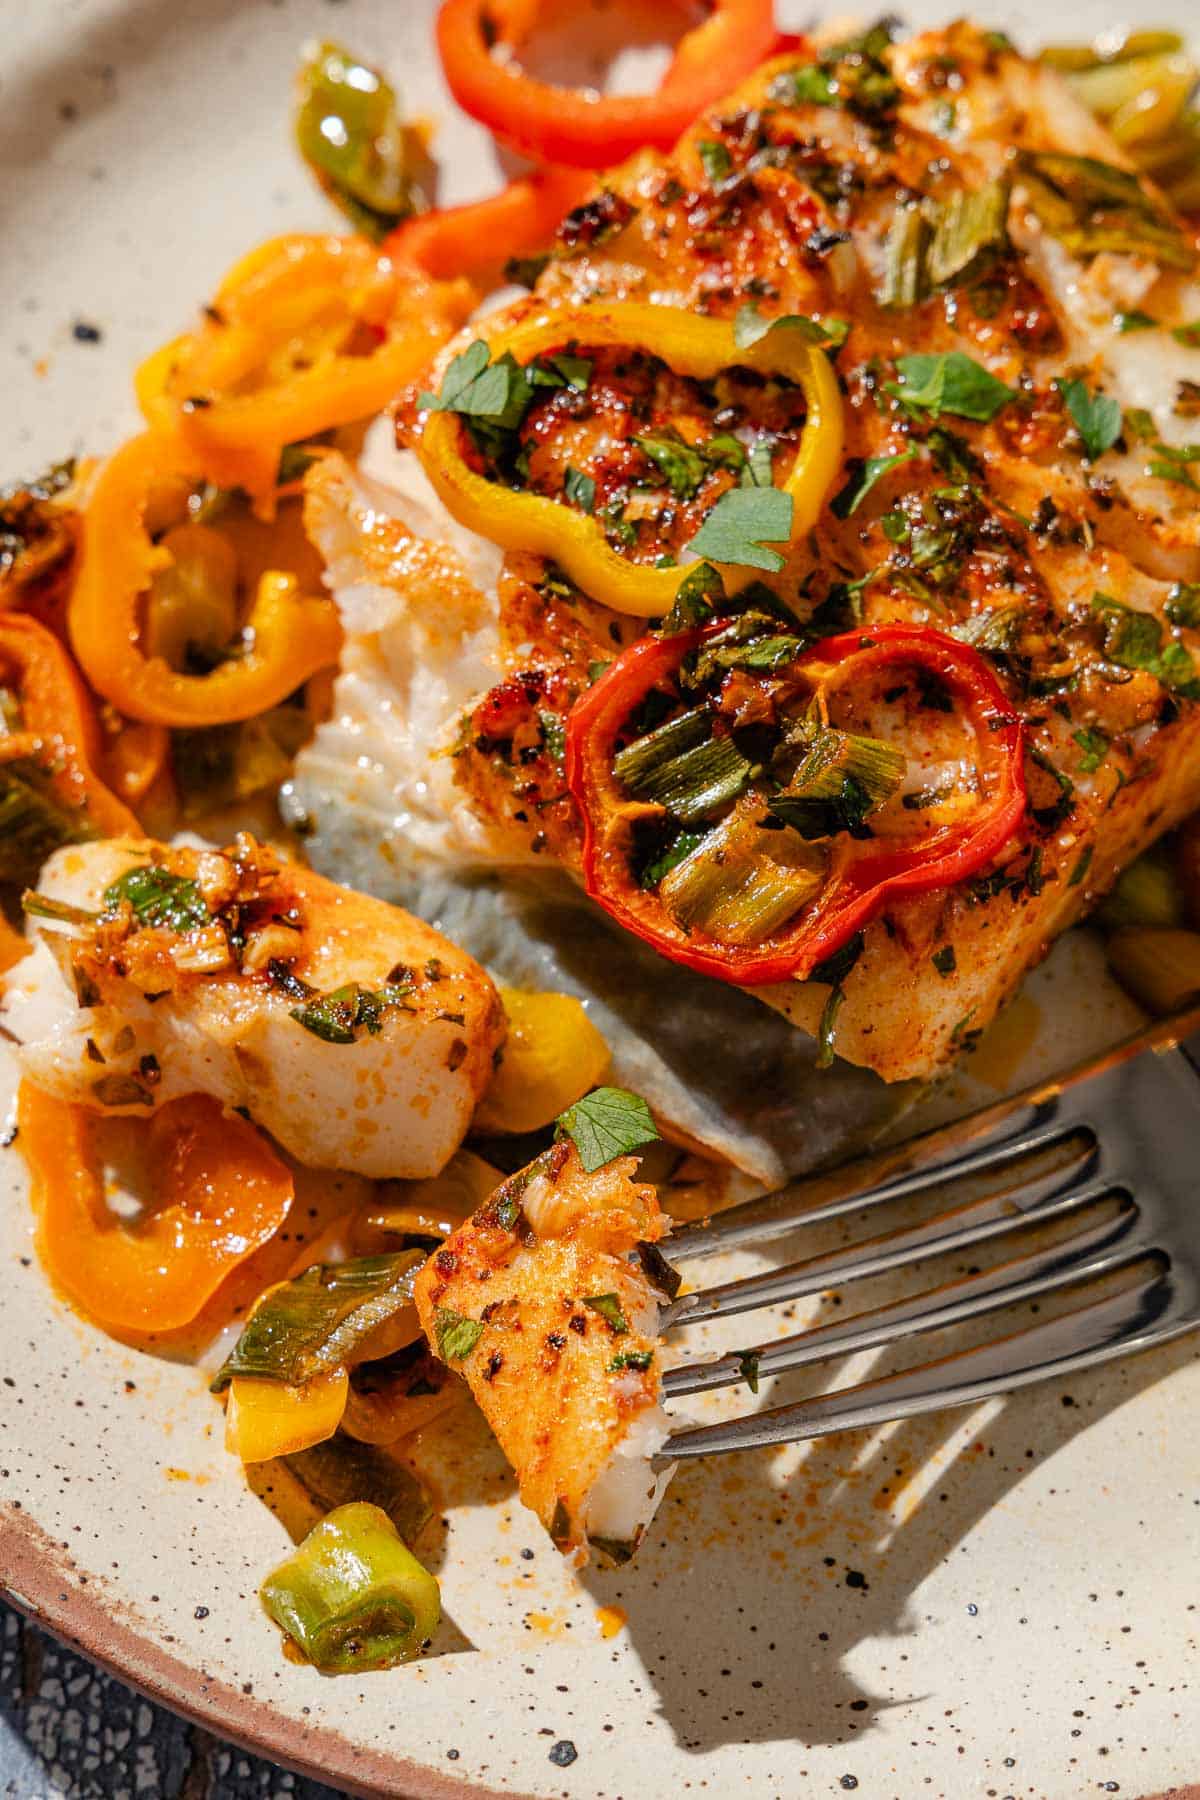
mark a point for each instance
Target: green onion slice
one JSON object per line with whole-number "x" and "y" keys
{"x": 352, "y": 1596}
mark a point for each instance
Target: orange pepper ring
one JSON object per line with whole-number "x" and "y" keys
{"x": 160, "y": 1273}
{"x": 575, "y": 125}
{"x": 290, "y": 636}
{"x": 235, "y": 438}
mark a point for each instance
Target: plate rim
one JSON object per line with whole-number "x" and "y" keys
{"x": 37, "y": 1577}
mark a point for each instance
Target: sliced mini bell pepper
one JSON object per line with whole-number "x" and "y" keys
{"x": 288, "y": 635}
{"x": 577, "y": 125}
{"x": 57, "y": 724}
{"x": 692, "y": 346}
{"x": 862, "y": 873}
{"x": 304, "y": 334}
{"x": 219, "y": 1192}
{"x": 476, "y": 238}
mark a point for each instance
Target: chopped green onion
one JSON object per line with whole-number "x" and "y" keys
{"x": 842, "y": 780}
{"x": 350, "y": 134}
{"x": 682, "y": 767}
{"x": 742, "y": 882}
{"x": 352, "y": 1596}
{"x": 1092, "y": 206}
{"x": 32, "y": 823}
{"x": 905, "y": 278}
{"x": 323, "y": 1320}
{"x": 970, "y": 231}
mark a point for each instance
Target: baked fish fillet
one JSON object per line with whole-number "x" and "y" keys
{"x": 542, "y": 1302}
{"x": 939, "y": 196}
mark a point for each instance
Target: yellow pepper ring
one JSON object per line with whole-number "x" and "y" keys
{"x": 289, "y": 635}
{"x": 690, "y": 345}
{"x": 227, "y": 392}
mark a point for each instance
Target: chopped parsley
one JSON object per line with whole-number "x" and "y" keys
{"x": 741, "y": 526}
{"x": 1094, "y": 745}
{"x": 609, "y": 1308}
{"x": 863, "y": 477}
{"x": 159, "y": 899}
{"x": 338, "y": 1017}
{"x": 1134, "y": 640}
{"x": 749, "y": 327}
{"x": 716, "y": 159}
{"x": 579, "y": 490}
{"x": 607, "y": 1123}
{"x": 1188, "y": 335}
{"x": 949, "y": 382}
{"x": 682, "y": 466}
{"x": 630, "y": 1359}
{"x": 456, "y": 1336}
{"x": 1135, "y": 321}
{"x": 1096, "y": 417}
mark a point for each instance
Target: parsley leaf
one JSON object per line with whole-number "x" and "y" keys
{"x": 1094, "y": 744}
{"x": 1188, "y": 335}
{"x": 607, "y": 1123}
{"x": 1135, "y": 321}
{"x": 456, "y": 1336}
{"x": 631, "y": 1359}
{"x": 863, "y": 477}
{"x": 609, "y": 1308}
{"x": 158, "y": 898}
{"x": 697, "y": 597}
{"x": 716, "y": 159}
{"x": 477, "y": 388}
{"x": 949, "y": 382}
{"x": 579, "y": 490}
{"x": 338, "y": 1017}
{"x": 742, "y": 523}
{"x": 1134, "y": 640}
{"x": 681, "y": 465}
{"x": 1097, "y": 417}
{"x": 1183, "y": 604}
{"x": 1173, "y": 463}
{"x": 749, "y": 327}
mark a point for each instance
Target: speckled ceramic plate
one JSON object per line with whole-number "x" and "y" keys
{"x": 996, "y": 1602}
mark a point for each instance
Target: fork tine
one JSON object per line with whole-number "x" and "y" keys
{"x": 1140, "y": 1314}
{"x": 1095, "y": 1250}
{"x": 955, "y": 1229}
{"x": 1009, "y": 1128}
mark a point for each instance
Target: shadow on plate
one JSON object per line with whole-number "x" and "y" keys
{"x": 769, "y": 1572}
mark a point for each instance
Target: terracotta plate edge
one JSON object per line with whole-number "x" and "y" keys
{"x": 39, "y": 1579}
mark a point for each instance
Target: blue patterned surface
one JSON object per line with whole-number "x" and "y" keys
{"x": 69, "y": 1732}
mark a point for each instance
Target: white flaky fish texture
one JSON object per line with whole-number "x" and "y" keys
{"x": 542, "y": 1302}
{"x": 417, "y": 597}
{"x": 396, "y": 1102}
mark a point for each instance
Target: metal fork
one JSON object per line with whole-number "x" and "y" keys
{"x": 1109, "y": 1152}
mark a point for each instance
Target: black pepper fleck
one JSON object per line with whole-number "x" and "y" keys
{"x": 563, "y": 1754}
{"x": 85, "y": 333}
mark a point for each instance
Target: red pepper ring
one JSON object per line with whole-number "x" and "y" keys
{"x": 574, "y": 125}
{"x": 861, "y": 880}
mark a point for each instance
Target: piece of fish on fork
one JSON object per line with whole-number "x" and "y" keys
{"x": 1101, "y": 1162}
